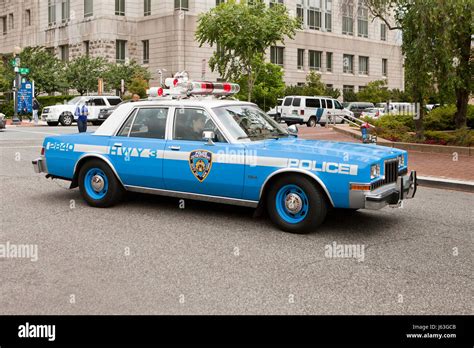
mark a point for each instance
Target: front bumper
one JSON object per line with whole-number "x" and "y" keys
{"x": 39, "y": 165}
{"x": 391, "y": 194}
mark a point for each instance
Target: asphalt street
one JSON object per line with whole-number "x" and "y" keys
{"x": 149, "y": 256}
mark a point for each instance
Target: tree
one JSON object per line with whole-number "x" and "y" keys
{"x": 437, "y": 48}
{"x": 375, "y": 92}
{"x": 6, "y": 74}
{"x": 138, "y": 85}
{"x": 269, "y": 86}
{"x": 242, "y": 33}
{"x": 83, "y": 73}
{"x": 45, "y": 69}
{"x": 117, "y": 72}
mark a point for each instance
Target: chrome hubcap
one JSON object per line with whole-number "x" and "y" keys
{"x": 97, "y": 183}
{"x": 293, "y": 203}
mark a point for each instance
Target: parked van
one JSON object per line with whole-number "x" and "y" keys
{"x": 358, "y": 107}
{"x": 312, "y": 110}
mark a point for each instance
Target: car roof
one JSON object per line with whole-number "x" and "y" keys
{"x": 210, "y": 103}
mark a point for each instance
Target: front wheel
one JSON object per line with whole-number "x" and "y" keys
{"x": 66, "y": 119}
{"x": 98, "y": 184}
{"x": 296, "y": 205}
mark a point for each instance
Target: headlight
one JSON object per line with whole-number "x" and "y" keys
{"x": 401, "y": 161}
{"x": 375, "y": 171}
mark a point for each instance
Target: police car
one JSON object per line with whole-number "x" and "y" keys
{"x": 191, "y": 141}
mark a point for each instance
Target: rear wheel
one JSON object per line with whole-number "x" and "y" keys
{"x": 52, "y": 124}
{"x": 66, "y": 119}
{"x": 296, "y": 205}
{"x": 99, "y": 185}
{"x": 311, "y": 122}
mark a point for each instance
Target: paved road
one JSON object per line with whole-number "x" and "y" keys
{"x": 148, "y": 256}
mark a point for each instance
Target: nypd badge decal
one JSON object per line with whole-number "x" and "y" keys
{"x": 200, "y": 163}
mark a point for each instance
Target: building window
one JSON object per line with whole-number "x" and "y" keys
{"x": 384, "y": 67}
{"x": 147, "y": 8}
{"x": 361, "y": 88}
{"x": 315, "y": 60}
{"x": 28, "y": 18}
{"x": 4, "y": 25}
{"x": 146, "y": 51}
{"x": 276, "y": 55}
{"x": 181, "y": 5}
{"x": 300, "y": 59}
{"x": 87, "y": 46}
{"x": 300, "y": 11}
{"x": 65, "y": 10}
{"x": 362, "y": 20}
{"x": 120, "y": 46}
{"x": 218, "y": 2}
{"x": 347, "y": 88}
{"x": 64, "y": 52}
{"x": 88, "y": 8}
{"x": 274, "y": 2}
{"x": 120, "y": 7}
{"x": 11, "y": 21}
{"x": 329, "y": 61}
{"x": 51, "y": 12}
{"x": 328, "y": 16}
{"x": 314, "y": 14}
{"x": 348, "y": 64}
{"x": 347, "y": 19}
{"x": 383, "y": 32}
{"x": 364, "y": 65}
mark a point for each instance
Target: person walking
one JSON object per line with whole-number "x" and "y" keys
{"x": 36, "y": 106}
{"x": 82, "y": 112}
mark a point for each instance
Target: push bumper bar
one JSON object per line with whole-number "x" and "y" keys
{"x": 39, "y": 165}
{"x": 394, "y": 194}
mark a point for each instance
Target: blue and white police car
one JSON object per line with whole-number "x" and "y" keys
{"x": 191, "y": 141}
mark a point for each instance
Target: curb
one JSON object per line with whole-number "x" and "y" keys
{"x": 448, "y": 184}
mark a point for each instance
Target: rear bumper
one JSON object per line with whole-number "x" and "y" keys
{"x": 39, "y": 165}
{"x": 392, "y": 194}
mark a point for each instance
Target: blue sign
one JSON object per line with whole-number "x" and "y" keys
{"x": 25, "y": 97}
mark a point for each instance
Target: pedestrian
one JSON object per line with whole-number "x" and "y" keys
{"x": 36, "y": 106}
{"x": 82, "y": 112}
{"x": 135, "y": 98}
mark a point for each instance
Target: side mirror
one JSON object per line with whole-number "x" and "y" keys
{"x": 209, "y": 137}
{"x": 293, "y": 129}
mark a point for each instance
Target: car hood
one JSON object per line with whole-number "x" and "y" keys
{"x": 366, "y": 153}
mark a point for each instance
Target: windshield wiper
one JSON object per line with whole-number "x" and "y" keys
{"x": 250, "y": 136}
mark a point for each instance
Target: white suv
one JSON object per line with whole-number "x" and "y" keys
{"x": 64, "y": 113}
{"x": 313, "y": 110}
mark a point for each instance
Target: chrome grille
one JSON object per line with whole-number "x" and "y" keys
{"x": 390, "y": 173}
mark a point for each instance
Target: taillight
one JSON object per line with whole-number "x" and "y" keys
{"x": 302, "y": 112}
{"x": 42, "y": 151}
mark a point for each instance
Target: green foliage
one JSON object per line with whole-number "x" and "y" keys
{"x": 45, "y": 69}
{"x": 444, "y": 118}
{"x": 459, "y": 137}
{"x": 138, "y": 85}
{"x": 269, "y": 86}
{"x": 350, "y": 96}
{"x": 82, "y": 73}
{"x": 243, "y": 33}
{"x": 6, "y": 74}
{"x": 375, "y": 92}
{"x": 116, "y": 72}
{"x": 7, "y": 109}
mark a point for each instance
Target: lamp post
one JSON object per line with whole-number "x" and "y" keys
{"x": 16, "y": 84}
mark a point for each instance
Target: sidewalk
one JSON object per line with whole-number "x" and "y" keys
{"x": 438, "y": 165}
{"x": 27, "y": 123}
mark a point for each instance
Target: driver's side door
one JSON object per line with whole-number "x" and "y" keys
{"x": 196, "y": 166}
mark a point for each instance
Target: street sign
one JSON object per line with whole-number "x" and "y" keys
{"x": 25, "y": 97}
{"x": 24, "y": 71}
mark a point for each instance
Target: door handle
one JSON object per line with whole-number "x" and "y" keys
{"x": 118, "y": 145}
{"x": 175, "y": 148}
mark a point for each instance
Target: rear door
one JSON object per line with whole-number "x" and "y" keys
{"x": 137, "y": 150}
{"x": 286, "y": 107}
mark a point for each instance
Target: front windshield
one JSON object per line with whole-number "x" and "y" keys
{"x": 249, "y": 122}
{"x": 74, "y": 101}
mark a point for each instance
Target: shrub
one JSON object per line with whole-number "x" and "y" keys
{"x": 7, "y": 109}
{"x": 460, "y": 137}
{"x": 442, "y": 118}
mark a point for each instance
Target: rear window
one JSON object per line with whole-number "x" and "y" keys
{"x": 297, "y": 102}
{"x": 288, "y": 101}
{"x": 313, "y": 103}
{"x": 329, "y": 103}
{"x": 114, "y": 101}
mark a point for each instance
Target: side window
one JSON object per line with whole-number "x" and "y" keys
{"x": 123, "y": 132}
{"x": 150, "y": 123}
{"x": 288, "y": 101}
{"x": 189, "y": 124}
{"x": 297, "y": 102}
{"x": 329, "y": 104}
{"x": 338, "y": 105}
{"x": 114, "y": 101}
{"x": 313, "y": 103}
{"x": 323, "y": 103}
{"x": 98, "y": 102}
